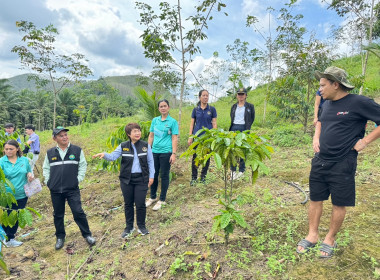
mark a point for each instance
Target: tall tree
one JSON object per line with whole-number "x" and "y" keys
{"x": 268, "y": 55}
{"x": 214, "y": 76}
{"x": 38, "y": 54}
{"x": 240, "y": 63}
{"x": 165, "y": 38}
{"x": 301, "y": 57}
{"x": 361, "y": 16}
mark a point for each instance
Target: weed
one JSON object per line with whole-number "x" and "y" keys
{"x": 178, "y": 264}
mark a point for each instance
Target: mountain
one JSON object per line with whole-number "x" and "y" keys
{"x": 125, "y": 84}
{"x": 21, "y": 82}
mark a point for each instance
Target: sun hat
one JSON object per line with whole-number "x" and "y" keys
{"x": 335, "y": 74}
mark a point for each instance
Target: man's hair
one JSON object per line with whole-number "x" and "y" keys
{"x": 342, "y": 87}
{"x": 8, "y": 125}
{"x": 30, "y": 126}
{"x": 131, "y": 126}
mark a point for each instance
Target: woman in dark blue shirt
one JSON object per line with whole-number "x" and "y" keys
{"x": 203, "y": 115}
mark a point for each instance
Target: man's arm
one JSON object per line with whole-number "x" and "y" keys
{"x": 316, "y": 108}
{"x": 46, "y": 170}
{"x": 317, "y": 134}
{"x": 82, "y": 167}
{"x": 362, "y": 143}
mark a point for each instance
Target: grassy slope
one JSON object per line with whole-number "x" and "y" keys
{"x": 265, "y": 250}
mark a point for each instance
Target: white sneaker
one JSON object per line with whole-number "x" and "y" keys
{"x": 150, "y": 201}
{"x": 13, "y": 243}
{"x": 158, "y": 205}
{"x": 238, "y": 175}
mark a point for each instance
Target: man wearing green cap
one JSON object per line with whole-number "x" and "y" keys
{"x": 64, "y": 168}
{"x": 339, "y": 136}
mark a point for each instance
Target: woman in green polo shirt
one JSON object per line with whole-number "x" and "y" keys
{"x": 16, "y": 169}
{"x": 163, "y": 138}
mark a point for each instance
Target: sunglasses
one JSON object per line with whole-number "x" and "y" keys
{"x": 240, "y": 93}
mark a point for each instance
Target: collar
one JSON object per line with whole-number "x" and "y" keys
{"x": 68, "y": 146}
{"x": 167, "y": 118}
{"x": 6, "y": 159}
{"x": 207, "y": 107}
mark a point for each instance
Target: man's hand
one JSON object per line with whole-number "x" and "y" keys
{"x": 189, "y": 141}
{"x": 150, "y": 182}
{"x": 315, "y": 121}
{"x": 100, "y": 155}
{"x": 172, "y": 159}
{"x": 360, "y": 145}
{"x": 316, "y": 145}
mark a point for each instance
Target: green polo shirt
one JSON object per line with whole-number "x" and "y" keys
{"x": 16, "y": 173}
{"x": 163, "y": 131}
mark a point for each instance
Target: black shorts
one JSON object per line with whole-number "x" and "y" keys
{"x": 335, "y": 178}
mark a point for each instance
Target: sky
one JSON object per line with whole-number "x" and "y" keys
{"x": 107, "y": 32}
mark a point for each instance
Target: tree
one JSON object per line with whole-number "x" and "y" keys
{"x": 227, "y": 147}
{"x": 39, "y": 55}
{"x": 267, "y": 56}
{"x": 165, "y": 36}
{"x": 373, "y": 48}
{"x": 301, "y": 58}
{"x": 361, "y": 16}
{"x": 241, "y": 62}
{"x": 214, "y": 76}
{"x": 149, "y": 103}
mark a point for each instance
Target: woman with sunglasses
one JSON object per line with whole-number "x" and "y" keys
{"x": 242, "y": 117}
{"x": 163, "y": 138}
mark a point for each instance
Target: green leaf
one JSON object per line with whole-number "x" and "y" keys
{"x": 225, "y": 220}
{"x": 218, "y": 160}
{"x": 239, "y": 220}
{"x": 34, "y": 211}
{"x": 4, "y": 266}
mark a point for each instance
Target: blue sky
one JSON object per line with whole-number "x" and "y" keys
{"x": 107, "y": 31}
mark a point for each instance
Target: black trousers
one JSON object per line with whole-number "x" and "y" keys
{"x": 161, "y": 166}
{"x": 134, "y": 193}
{"x": 194, "y": 169}
{"x": 11, "y": 231}
{"x": 73, "y": 199}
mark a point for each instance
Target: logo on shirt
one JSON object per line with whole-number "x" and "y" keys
{"x": 249, "y": 110}
{"x": 209, "y": 113}
{"x": 71, "y": 157}
{"x": 53, "y": 158}
{"x": 342, "y": 113}
{"x": 144, "y": 149}
{"x": 125, "y": 149}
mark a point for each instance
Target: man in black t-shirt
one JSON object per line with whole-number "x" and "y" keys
{"x": 339, "y": 136}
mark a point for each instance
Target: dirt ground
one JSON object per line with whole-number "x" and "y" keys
{"x": 180, "y": 245}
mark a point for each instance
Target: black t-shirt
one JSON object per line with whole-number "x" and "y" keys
{"x": 343, "y": 124}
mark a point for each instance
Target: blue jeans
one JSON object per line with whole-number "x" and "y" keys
{"x": 161, "y": 166}
{"x": 239, "y": 127}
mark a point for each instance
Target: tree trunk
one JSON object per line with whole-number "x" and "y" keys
{"x": 371, "y": 22}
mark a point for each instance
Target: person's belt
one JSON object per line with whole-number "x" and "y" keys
{"x": 36, "y": 153}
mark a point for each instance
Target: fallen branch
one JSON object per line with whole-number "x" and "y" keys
{"x": 300, "y": 189}
{"x": 90, "y": 256}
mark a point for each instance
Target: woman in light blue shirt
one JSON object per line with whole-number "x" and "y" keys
{"x": 163, "y": 137}
{"x": 17, "y": 170}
